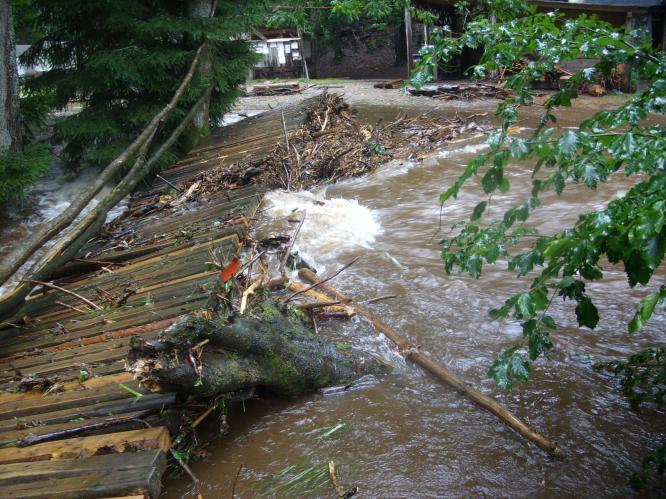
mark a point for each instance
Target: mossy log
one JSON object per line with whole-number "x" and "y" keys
{"x": 275, "y": 352}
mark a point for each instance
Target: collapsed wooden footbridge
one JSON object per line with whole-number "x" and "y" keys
{"x": 90, "y": 430}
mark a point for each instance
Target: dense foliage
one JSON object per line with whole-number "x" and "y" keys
{"x": 123, "y": 60}
{"x": 631, "y": 230}
{"x": 19, "y": 170}
{"x": 341, "y": 24}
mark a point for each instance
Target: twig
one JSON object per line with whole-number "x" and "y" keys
{"x": 294, "y": 295}
{"x": 315, "y": 328}
{"x": 323, "y": 127}
{"x": 283, "y": 262}
{"x": 250, "y": 290}
{"x": 67, "y": 291}
{"x": 254, "y": 259}
{"x": 319, "y": 304}
{"x": 185, "y": 467}
{"x": 379, "y": 298}
{"x": 203, "y": 416}
{"x": 233, "y": 488}
{"x": 71, "y": 307}
{"x": 173, "y": 186}
{"x": 334, "y": 480}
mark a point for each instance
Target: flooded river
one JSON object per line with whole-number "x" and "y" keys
{"x": 406, "y": 435}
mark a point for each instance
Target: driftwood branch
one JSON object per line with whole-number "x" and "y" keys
{"x": 439, "y": 371}
{"x": 321, "y": 281}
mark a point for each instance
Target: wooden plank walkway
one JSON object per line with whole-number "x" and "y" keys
{"x": 88, "y": 437}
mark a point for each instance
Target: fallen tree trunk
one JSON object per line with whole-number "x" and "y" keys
{"x": 275, "y": 352}
{"x": 439, "y": 371}
{"x": 40, "y": 236}
{"x": 87, "y": 228}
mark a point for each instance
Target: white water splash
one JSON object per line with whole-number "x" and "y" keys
{"x": 49, "y": 197}
{"x": 468, "y": 149}
{"x": 331, "y": 227}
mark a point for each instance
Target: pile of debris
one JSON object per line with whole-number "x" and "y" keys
{"x": 332, "y": 145}
{"x": 392, "y": 84}
{"x": 269, "y": 89}
{"x": 462, "y": 91}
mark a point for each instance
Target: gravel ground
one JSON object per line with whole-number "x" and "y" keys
{"x": 358, "y": 92}
{"x": 362, "y": 92}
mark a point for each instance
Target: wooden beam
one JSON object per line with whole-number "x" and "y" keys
{"x": 73, "y": 448}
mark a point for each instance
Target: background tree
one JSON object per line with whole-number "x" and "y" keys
{"x": 19, "y": 166}
{"x": 631, "y": 230}
{"x": 10, "y": 129}
{"x": 335, "y": 23}
{"x": 123, "y": 60}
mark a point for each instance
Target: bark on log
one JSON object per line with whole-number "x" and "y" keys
{"x": 276, "y": 352}
{"x": 10, "y": 126}
{"x": 439, "y": 371}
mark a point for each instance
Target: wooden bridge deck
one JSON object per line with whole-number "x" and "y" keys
{"x": 96, "y": 442}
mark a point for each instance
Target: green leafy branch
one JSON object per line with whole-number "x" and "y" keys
{"x": 630, "y": 230}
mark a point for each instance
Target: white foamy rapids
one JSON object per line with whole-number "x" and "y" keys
{"x": 331, "y": 227}
{"x": 235, "y": 117}
{"x": 50, "y": 196}
{"x": 468, "y": 149}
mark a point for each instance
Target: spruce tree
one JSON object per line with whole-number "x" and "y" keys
{"x": 124, "y": 59}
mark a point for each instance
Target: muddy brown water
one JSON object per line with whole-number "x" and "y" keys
{"x": 408, "y": 436}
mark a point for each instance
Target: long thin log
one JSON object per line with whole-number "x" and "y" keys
{"x": 68, "y": 246}
{"x": 439, "y": 371}
{"x": 11, "y": 263}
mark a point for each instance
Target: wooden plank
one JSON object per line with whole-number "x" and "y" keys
{"x": 74, "y": 398}
{"x": 76, "y": 364}
{"x": 105, "y": 408}
{"x": 133, "y": 321}
{"x": 42, "y": 470}
{"x": 147, "y": 439}
{"x": 11, "y": 437}
{"x": 90, "y": 384}
{"x": 156, "y": 270}
{"x": 140, "y": 473}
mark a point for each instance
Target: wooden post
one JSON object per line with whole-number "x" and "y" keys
{"x": 301, "y": 49}
{"x": 408, "y": 39}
